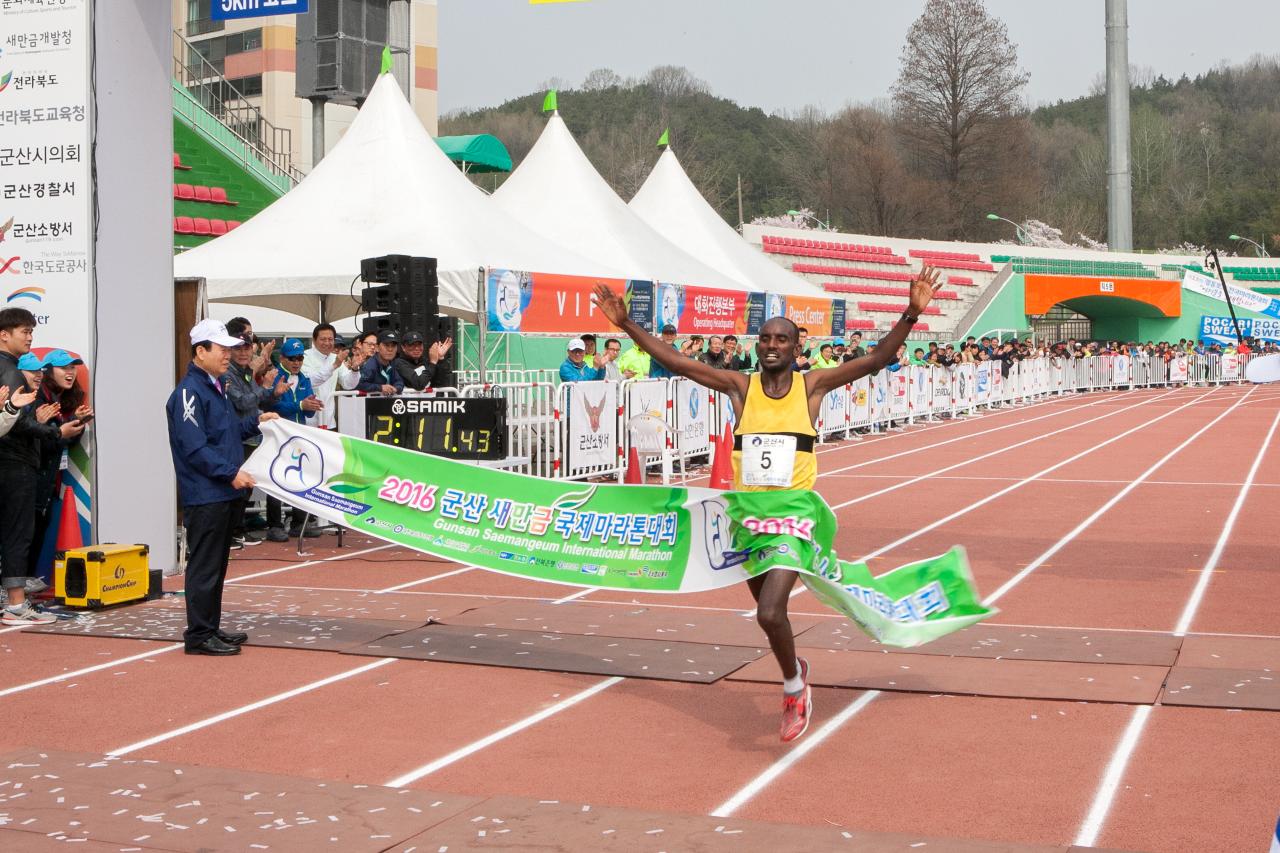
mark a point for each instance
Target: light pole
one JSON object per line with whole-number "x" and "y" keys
{"x": 824, "y": 225}
{"x": 1017, "y": 229}
{"x": 1262, "y": 251}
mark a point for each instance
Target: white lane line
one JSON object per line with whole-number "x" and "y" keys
{"x": 1111, "y": 778}
{"x": 420, "y": 581}
{"x": 243, "y": 578}
{"x": 783, "y": 764}
{"x": 253, "y": 706}
{"x": 502, "y": 734}
{"x": 53, "y": 679}
{"x": 997, "y": 452}
{"x": 1105, "y": 796}
{"x": 577, "y": 594}
{"x": 1036, "y": 476}
{"x": 1110, "y": 504}
{"x": 1206, "y": 573}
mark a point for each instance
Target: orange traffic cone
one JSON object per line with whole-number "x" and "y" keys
{"x": 635, "y": 474}
{"x": 68, "y": 524}
{"x": 722, "y": 464}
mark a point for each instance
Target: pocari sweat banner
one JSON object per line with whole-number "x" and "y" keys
{"x": 640, "y": 538}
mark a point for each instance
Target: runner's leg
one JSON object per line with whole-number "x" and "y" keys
{"x": 772, "y": 592}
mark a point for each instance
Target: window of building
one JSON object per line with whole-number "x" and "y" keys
{"x": 198, "y": 19}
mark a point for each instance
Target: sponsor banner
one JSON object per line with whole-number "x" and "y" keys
{"x": 668, "y": 305}
{"x": 637, "y": 538}
{"x": 545, "y": 302}
{"x": 1230, "y": 366}
{"x": 775, "y": 305}
{"x": 997, "y": 382}
{"x": 226, "y": 10}
{"x": 837, "y": 318}
{"x": 755, "y": 312}
{"x": 900, "y": 393}
{"x": 1178, "y": 369}
{"x": 1240, "y": 297}
{"x": 834, "y": 409}
{"x": 810, "y": 312}
{"x": 692, "y": 416}
{"x": 860, "y": 397}
{"x": 708, "y": 311}
{"x": 1120, "y": 370}
{"x": 1221, "y": 330}
{"x": 941, "y": 388}
{"x": 963, "y": 382}
{"x": 639, "y": 299}
{"x": 982, "y": 380}
{"x": 921, "y": 392}
{"x": 592, "y": 411}
{"x": 880, "y": 389}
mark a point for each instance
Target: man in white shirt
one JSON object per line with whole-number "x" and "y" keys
{"x": 330, "y": 369}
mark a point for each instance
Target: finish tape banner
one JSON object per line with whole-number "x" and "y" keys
{"x": 638, "y": 538}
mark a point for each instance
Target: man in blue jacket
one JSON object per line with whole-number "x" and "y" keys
{"x": 378, "y": 375}
{"x": 293, "y": 399}
{"x": 205, "y": 436}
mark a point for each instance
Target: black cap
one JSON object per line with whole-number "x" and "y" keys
{"x": 668, "y": 329}
{"x": 388, "y": 337}
{"x": 339, "y": 341}
{"x": 411, "y": 338}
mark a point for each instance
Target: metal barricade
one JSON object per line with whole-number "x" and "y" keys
{"x": 588, "y": 430}
{"x": 531, "y": 423}
{"x": 690, "y": 419}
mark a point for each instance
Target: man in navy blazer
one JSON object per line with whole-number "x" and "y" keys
{"x": 205, "y": 437}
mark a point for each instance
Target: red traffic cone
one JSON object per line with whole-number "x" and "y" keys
{"x": 68, "y": 524}
{"x": 635, "y": 474}
{"x": 722, "y": 464}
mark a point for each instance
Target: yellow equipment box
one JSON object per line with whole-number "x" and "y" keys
{"x": 98, "y": 576}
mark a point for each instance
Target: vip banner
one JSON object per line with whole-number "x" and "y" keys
{"x": 638, "y": 538}
{"x": 546, "y": 302}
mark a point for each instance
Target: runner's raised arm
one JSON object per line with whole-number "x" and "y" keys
{"x": 823, "y": 380}
{"x": 730, "y": 382}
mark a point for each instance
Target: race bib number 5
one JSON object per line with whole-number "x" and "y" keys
{"x": 768, "y": 460}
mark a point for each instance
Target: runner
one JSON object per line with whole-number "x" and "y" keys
{"x": 774, "y": 417}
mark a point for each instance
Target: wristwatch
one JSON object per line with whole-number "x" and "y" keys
{"x": 907, "y": 318}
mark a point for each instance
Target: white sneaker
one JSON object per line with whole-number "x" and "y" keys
{"x": 25, "y": 614}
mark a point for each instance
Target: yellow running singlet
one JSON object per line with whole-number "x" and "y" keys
{"x": 765, "y": 436}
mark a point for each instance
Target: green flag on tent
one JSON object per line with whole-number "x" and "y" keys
{"x": 386, "y": 60}
{"x": 549, "y": 102}
{"x": 662, "y": 140}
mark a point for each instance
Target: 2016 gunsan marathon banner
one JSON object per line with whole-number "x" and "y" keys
{"x": 640, "y": 538}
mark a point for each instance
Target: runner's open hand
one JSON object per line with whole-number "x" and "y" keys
{"x": 923, "y": 287}
{"x": 611, "y": 305}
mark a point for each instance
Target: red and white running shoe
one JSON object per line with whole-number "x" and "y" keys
{"x": 797, "y": 708}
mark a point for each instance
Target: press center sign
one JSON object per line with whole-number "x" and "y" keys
{"x": 226, "y": 10}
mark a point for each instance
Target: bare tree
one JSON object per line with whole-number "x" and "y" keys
{"x": 673, "y": 81}
{"x": 601, "y": 78}
{"x": 958, "y": 85}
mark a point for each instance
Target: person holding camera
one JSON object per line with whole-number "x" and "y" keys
{"x": 59, "y": 392}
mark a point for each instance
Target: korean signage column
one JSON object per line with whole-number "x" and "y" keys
{"x": 45, "y": 186}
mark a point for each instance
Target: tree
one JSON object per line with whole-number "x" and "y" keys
{"x": 958, "y": 88}
{"x": 601, "y": 78}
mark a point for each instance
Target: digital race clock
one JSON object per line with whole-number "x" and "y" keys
{"x": 456, "y": 427}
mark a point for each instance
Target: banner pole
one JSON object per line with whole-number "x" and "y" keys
{"x": 482, "y": 321}
{"x": 1211, "y": 261}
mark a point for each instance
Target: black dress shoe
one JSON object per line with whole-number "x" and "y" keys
{"x": 236, "y": 639}
{"x": 213, "y": 646}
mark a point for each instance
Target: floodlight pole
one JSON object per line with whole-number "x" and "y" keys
{"x": 1119, "y": 182}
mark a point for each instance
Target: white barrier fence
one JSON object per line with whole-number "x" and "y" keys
{"x": 584, "y": 430}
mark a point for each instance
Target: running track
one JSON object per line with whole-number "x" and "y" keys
{"x": 1151, "y": 510}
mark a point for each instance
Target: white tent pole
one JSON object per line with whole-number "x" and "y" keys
{"x": 482, "y": 320}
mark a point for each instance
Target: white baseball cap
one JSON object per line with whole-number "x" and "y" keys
{"x": 214, "y": 332}
{"x": 577, "y": 343}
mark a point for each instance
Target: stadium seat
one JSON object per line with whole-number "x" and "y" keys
{"x": 892, "y": 308}
{"x": 232, "y": 224}
{"x": 184, "y": 225}
{"x": 218, "y": 195}
{"x": 930, "y": 254}
{"x": 178, "y": 164}
{"x": 217, "y": 227}
{"x": 202, "y": 227}
{"x": 860, "y": 324}
{"x": 202, "y": 193}
{"x": 852, "y": 272}
{"x": 960, "y": 279}
{"x": 882, "y": 290}
{"x": 186, "y": 192}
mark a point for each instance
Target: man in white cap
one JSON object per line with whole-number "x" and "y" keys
{"x": 575, "y": 367}
{"x": 205, "y": 435}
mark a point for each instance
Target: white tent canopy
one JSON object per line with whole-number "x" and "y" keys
{"x": 670, "y": 203}
{"x": 558, "y": 193}
{"x": 385, "y": 188}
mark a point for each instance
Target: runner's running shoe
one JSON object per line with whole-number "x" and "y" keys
{"x": 25, "y": 614}
{"x": 797, "y": 707}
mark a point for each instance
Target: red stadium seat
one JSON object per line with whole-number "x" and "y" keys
{"x": 202, "y": 226}
{"x": 217, "y": 227}
{"x": 233, "y": 224}
{"x": 186, "y": 192}
{"x": 184, "y": 225}
{"x": 202, "y": 193}
{"x": 218, "y": 195}
{"x": 177, "y": 162}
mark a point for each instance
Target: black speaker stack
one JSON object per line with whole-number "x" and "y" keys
{"x": 405, "y": 296}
